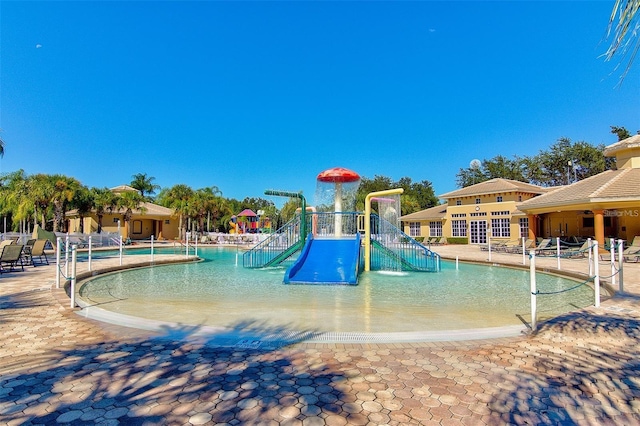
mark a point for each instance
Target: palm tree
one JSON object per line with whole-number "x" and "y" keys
{"x": 144, "y": 184}
{"x": 104, "y": 200}
{"x": 84, "y": 202}
{"x": 40, "y": 191}
{"x": 14, "y": 200}
{"x": 64, "y": 190}
{"x": 207, "y": 202}
{"x": 624, "y": 24}
{"x": 178, "y": 198}
{"x": 130, "y": 201}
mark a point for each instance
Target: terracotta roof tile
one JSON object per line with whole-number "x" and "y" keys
{"x": 611, "y": 185}
{"x": 493, "y": 186}
{"x": 437, "y": 212}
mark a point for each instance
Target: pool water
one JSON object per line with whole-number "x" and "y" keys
{"x": 216, "y": 292}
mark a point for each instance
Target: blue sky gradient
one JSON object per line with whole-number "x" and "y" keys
{"x": 249, "y": 96}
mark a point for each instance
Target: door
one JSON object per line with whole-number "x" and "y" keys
{"x": 478, "y": 232}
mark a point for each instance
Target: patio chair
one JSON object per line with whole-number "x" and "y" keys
{"x": 11, "y": 255}
{"x": 544, "y": 247}
{"x": 575, "y": 252}
{"x": 37, "y": 251}
{"x": 5, "y": 243}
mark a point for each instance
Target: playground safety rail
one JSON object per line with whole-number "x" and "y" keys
{"x": 278, "y": 247}
{"x": 392, "y": 249}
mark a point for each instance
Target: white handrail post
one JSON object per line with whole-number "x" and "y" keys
{"x": 620, "y": 265}
{"x": 152, "y": 248}
{"x": 489, "y": 243}
{"x": 120, "y": 249}
{"x": 596, "y": 273}
{"x": 74, "y": 261}
{"x": 589, "y": 244}
{"x": 186, "y": 240}
{"x": 58, "y": 248}
{"x": 196, "y": 243}
{"x": 558, "y": 251}
{"x": 612, "y": 243}
{"x": 534, "y": 291}
{"x": 90, "y": 253}
{"x": 524, "y": 251}
{"x": 66, "y": 255}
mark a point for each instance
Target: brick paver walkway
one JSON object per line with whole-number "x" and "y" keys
{"x": 57, "y": 367}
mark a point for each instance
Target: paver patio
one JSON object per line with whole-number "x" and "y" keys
{"x": 59, "y": 367}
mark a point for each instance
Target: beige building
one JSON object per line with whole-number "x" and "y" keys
{"x": 603, "y": 206}
{"x": 477, "y": 213}
{"x": 150, "y": 219}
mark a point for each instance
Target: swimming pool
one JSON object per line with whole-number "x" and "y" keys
{"x": 400, "y": 306}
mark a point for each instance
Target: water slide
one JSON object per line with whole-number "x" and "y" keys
{"x": 326, "y": 261}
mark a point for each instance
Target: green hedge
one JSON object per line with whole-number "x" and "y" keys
{"x": 457, "y": 240}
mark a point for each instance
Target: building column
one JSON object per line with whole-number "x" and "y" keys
{"x": 598, "y": 226}
{"x": 533, "y": 226}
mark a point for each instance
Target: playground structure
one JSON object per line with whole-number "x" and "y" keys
{"x": 329, "y": 239}
{"x": 249, "y": 222}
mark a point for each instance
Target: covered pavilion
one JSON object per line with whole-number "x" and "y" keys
{"x": 601, "y": 206}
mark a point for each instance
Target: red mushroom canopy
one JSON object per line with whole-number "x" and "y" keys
{"x": 338, "y": 174}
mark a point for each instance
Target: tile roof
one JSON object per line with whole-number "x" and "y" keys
{"x": 629, "y": 143}
{"x": 611, "y": 185}
{"x": 493, "y": 186}
{"x": 437, "y": 212}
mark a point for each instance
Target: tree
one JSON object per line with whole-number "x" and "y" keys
{"x": 84, "y": 201}
{"x": 177, "y": 198}
{"x": 1, "y": 147}
{"x": 418, "y": 194}
{"x": 64, "y": 189}
{"x": 621, "y": 132}
{"x": 14, "y": 200}
{"x": 623, "y": 30}
{"x": 145, "y": 185}
{"x": 130, "y": 201}
{"x": 563, "y": 163}
{"x": 104, "y": 200}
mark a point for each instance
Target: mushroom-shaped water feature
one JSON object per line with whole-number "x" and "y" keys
{"x": 338, "y": 176}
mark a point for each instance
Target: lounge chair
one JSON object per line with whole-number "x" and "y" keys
{"x": 544, "y": 247}
{"x": 5, "y": 243}
{"x": 11, "y": 255}
{"x": 576, "y": 252}
{"x": 37, "y": 251}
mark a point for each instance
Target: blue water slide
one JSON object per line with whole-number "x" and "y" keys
{"x": 326, "y": 261}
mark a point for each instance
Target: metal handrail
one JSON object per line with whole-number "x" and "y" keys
{"x": 276, "y": 248}
{"x": 395, "y": 250}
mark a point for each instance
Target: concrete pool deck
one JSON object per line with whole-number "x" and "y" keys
{"x": 57, "y": 367}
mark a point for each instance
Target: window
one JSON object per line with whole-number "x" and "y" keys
{"x": 524, "y": 227}
{"x": 500, "y": 228}
{"x": 519, "y": 197}
{"x": 414, "y": 229}
{"x": 499, "y": 199}
{"x": 459, "y": 228}
{"x": 435, "y": 229}
{"x": 116, "y": 219}
{"x": 587, "y": 222}
{"x": 459, "y": 215}
{"x": 477, "y": 200}
{"x": 458, "y": 202}
{"x": 478, "y": 214}
{"x": 167, "y": 221}
{"x": 501, "y": 213}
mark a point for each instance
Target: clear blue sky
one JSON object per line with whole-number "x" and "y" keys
{"x": 249, "y": 96}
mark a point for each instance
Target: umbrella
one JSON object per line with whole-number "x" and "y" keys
{"x": 247, "y": 213}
